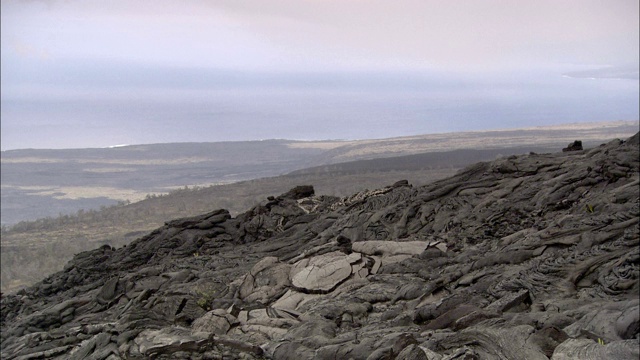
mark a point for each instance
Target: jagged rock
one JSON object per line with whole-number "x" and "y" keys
{"x": 590, "y": 350}
{"x": 609, "y": 321}
{"x": 292, "y": 351}
{"x": 574, "y": 146}
{"x": 548, "y": 339}
{"x": 533, "y": 256}
{"x": 509, "y": 301}
{"x": 202, "y": 222}
{"x": 298, "y": 192}
{"x": 151, "y": 343}
{"x": 628, "y": 323}
{"x": 389, "y": 248}
{"x": 213, "y": 322}
{"x": 87, "y": 347}
{"x": 265, "y": 281}
{"x": 324, "y": 272}
{"x": 400, "y": 183}
{"x": 291, "y": 300}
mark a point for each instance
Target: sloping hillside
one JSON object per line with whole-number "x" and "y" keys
{"x": 532, "y": 256}
{"x": 40, "y": 183}
{"x": 32, "y": 250}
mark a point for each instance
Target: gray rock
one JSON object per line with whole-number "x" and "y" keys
{"x": 589, "y": 350}
{"x": 213, "y": 322}
{"x": 324, "y": 272}
{"x": 531, "y": 256}
{"x": 266, "y": 280}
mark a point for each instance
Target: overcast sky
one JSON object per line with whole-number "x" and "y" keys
{"x": 57, "y": 55}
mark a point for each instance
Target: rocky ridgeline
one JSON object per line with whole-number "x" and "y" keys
{"x": 528, "y": 257}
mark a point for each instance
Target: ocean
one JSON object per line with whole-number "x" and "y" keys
{"x": 192, "y": 107}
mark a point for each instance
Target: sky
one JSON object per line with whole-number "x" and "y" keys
{"x": 98, "y": 73}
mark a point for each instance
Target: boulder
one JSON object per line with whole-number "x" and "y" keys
{"x": 213, "y": 322}
{"x": 574, "y": 146}
{"x": 267, "y": 279}
{"x": 323, "y": 273}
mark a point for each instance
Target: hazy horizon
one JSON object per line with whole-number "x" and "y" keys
{"x": 81, "y": 74}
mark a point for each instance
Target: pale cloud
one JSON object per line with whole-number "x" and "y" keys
{"x": 331, "y": 34}
{"x": 157, "y": 32}
{"x": 449, "y": 33}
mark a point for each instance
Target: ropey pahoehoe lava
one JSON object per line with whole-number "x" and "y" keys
{"x": 527, "y": 257}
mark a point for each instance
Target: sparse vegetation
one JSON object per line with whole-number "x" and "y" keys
{"x": 205, "y": 296}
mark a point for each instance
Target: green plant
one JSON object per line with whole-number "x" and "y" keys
{"x": 205, "y": 296}
{"x": 590, "y": 208}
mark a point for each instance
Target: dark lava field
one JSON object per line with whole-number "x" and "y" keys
{"x": 527, "y": 257}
